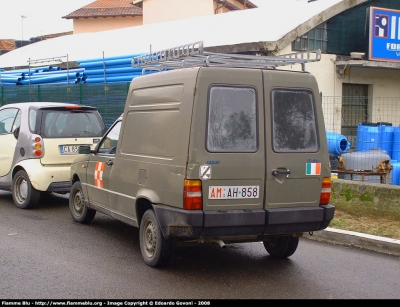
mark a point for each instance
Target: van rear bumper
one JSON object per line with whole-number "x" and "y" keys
{"x": 186, "y": 224}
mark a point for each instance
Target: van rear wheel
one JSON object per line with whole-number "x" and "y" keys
{"x": 25, "y": 196}
{"x": 156, "y": 250}
{"x": 281, "y": 247}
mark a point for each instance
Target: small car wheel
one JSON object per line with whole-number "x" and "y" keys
{"x": 77, "y": 205}
{"x": 156, "y": 250}
{"x": 281, "y": 247}
{"x": 25, "y": 196}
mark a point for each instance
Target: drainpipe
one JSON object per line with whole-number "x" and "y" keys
{"x": 220, "y": 7}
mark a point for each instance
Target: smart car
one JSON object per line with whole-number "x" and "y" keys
{"x": 38, "y": 142}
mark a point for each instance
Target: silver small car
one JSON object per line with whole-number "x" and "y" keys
{"x": 38, "y": 142}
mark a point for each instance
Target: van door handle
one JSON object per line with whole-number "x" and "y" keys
{"x": 109, "y": 163}
{"x": 276, "y": 172}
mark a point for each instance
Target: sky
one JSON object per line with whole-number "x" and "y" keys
{"x": 44, "y": 17}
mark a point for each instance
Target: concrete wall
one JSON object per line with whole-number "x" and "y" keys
{"x": 89, "y": 25}
{"x": 373, "y": 199}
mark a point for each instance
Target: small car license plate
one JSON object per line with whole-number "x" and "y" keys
{"x": 233, "y": 192}
{"x": 69, "y": 149}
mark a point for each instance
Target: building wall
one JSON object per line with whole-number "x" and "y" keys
{"x": 166, "y": 10}
{"x": 86, "y": 25}
{"x": 324, "y": 71}
{"x": 154, "y": 11}
{"x": 383, "y": 89}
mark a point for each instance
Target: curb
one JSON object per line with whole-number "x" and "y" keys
{"x": 357, "y": 239}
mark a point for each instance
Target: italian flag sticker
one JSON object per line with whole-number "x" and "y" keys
{"x": 313, "y": 168}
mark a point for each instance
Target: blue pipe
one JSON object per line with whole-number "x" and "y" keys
{"x": 108, "y": 67}
{"x": 54, "y": 73}
{"x": 117, "y": 57}
{"x": 113, "y": 75}
{"x": 9, "y": 79}
{"x": 110, "y": 79}
{"x": 46, "y": 79}
{"x": 106, "y": 63}
{"x": 56, "y": 76}
{"x": 124, "y": 69}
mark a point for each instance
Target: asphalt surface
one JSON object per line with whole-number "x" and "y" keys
{"x": 357, "y": 239}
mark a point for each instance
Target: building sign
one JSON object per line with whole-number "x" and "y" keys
{"x": 384, "y": 34}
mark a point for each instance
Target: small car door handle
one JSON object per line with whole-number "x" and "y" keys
{"x": 276, "y": 172}
{"x": 109, "y": 163}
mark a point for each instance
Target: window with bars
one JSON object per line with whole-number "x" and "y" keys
{"x": 316, "y": 38}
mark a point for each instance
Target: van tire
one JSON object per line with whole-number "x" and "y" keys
{"x": 25, "y": 196}
{"x": 281, "y": 247}
{"x": 78, "y": 208}
{"x": 156, "y": 250}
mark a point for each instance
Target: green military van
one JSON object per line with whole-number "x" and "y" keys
{"x": 212, "y": 148}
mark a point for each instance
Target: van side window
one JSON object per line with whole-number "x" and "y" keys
{"x": 294, "y": 123}
{"x": 7, "y": 117}
{"x": 109, "y": 143}
{"x": 232, "y": 119}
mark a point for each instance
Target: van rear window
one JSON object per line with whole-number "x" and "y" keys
{"x": 294, "y": 121}
{"x": 232, "y": 119}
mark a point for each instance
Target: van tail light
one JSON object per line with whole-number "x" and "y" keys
{"x": 325, "y": 191}
{"x": 38, "y": 148}
{"x": 192, "y": 196}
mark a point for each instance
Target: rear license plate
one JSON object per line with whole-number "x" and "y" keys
{"x": 233, "y": 192}
{"x": 69, "y": 149}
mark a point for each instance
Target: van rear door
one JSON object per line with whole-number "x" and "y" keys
{"x": 295, "y": 158}
{"x": 228, "y": 142}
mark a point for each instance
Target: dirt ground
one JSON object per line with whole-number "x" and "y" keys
{"x": 365, "y": 224}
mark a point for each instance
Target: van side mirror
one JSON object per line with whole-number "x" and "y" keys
{"x": 84, "y": 149}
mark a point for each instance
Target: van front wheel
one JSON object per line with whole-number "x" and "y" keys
{"x": 281, "y": 247}
{"x": 25, "y": 196}
{"x": 77, "y": 205}
{"x": 156, "y": 250}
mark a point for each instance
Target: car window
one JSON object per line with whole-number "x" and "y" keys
{"x": 294, "y": 121}
{"x": 32, "y": 120}
{"x": 17, "y": 122}
{"x": 109, "y": 144}
{"x": 232, "y": 119}
{"x": 58, "y": 124}
{"x": 7, "y": 118}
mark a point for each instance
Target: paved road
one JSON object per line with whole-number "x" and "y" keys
{"x": 45, "y": 255}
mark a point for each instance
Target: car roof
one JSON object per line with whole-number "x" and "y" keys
{"x": 26, "y": 105}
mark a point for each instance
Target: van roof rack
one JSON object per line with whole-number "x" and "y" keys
{"x": 192, "y": 55}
